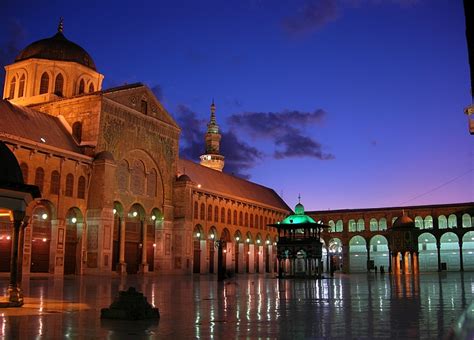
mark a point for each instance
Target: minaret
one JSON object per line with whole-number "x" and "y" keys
{"x": 212, "y": 158}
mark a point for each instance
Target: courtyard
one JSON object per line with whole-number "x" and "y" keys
{"x": 358, "y": 306}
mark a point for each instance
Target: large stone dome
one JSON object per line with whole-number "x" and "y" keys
{"x": 57, "y": 48}
{"x": 403, "y": 221}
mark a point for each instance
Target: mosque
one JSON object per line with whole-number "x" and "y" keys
{"x": 116, "y": 197}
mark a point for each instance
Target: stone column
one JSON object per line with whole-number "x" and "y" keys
{"x": 389, "y": 261}
{"x": 461, "y": 262}
{"x": 122, "y": 266}
{"x": 406, "y": 263}
{"x": 367, "y": 246}
{"x": 144, "y": 265}
{"x": 15, "y": 295}
{"x": 438, "y": 245}
{"x": 414, "y": 263}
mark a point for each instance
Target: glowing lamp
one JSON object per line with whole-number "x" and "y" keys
{"x": 198, "y": 234}
{"x": 44, "y": 239}
{"x": 153, "y": 218}
{"x": 134, "y": 214}
{"x": 44, "y": 216}
{"x": 73, "y": 220}
{"x": 212, "y": 236}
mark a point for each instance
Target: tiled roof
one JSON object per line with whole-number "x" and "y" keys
{"x": 231, "y": 186}
{"x": 123, "y": 87}
{"x": 33, "y": 125}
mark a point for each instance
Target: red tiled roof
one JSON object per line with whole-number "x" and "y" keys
{"x": 228, "y": 185}
{"x": 33, "y": 125}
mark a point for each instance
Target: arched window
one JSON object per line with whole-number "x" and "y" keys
{"x": 77, "y": 131}
{"x": 137, "y": 178}
{"x": 261, "y": 222}
{"x": 452, "y": 221}
{"x": 256, "y": 221}
{"x": 151, "y": 183}
{"x": 235, "y": 217}
{"x": 265, "y": 222}
{"x": 339, "y": 226}
{"x": 39, "y": 178}
{"x": 360, "y": 225}
{"x": 251, "y": 221}
{"x": 374, "y": 226}
{"x": 69, "y": 185}
{"x": 222, "y": 215}
{"x": 54, "y": 187}
{"x": 82, "y": 85}
{"x": 332, "y": 226}
{"x": 246, "y": 219}
{"x": 383, "y": 224}
{"x": 196, "y": 210}
{"x": 418, "y": 222}
{"x": 91, "y": 88}
{"x": 442, "y": 222}
{"x": 428, "y": 222}
{"x": 202, "y": 214}
{"x": 81, "y": 187}
{"x": 58, "y": 85}
{"x": 21, "y": 88}
{"x": 12, "y": 88}
{"x": 352, "y": 226}
{"x": 394, "y": 219}
{"x": 241, "y": 218}
{"x": 466, "y": 221}
{"x": 209, "y": 212}
{"x": 216, "y": 214}
{"x": 24, "y": 172}
{"x": 229, "y": 217}
{"x": 44, "y": 83}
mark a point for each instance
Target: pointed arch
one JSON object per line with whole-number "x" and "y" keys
{"x": 82, "y": 86}
{"x": 44, "y": 83}
{"x": 12, "y": 88}
{"x": 39, "y": 178}
{"x": 58, "y": 85}
{"x": 69, "y": 185}
{"x": 21, "y": 87}
{"x": 81, "y": 187}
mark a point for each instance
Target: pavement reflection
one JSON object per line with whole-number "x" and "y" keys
{"x": 247, "y": 306}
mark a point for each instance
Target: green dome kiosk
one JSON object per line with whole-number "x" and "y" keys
{"x": 299, "y": 247}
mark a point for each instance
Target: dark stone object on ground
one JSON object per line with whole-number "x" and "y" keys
{"x": 130, "y": 305}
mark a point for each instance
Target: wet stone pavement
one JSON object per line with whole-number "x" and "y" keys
{"x": 356, "y": 306}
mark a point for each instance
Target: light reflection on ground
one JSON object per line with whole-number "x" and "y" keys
{"x": 348, "y": 306}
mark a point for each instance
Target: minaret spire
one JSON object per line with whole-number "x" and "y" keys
{"x": 61, "y": 25}
{"x": 212, "y": 158}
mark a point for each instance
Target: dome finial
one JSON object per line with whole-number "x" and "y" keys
{"x": 299, "y": 198}
{"x": 61, "y": 25}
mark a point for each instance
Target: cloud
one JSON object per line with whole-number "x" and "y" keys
{"x": 192, "y": 132}
{"x": 314, "y": 15}
{"x": 271, "y": 123}
{"x": 296, "y": 145}
{"x": 285, "y": 129}
{"x": 239, "y": 156}
{"x": 10, "y": 48}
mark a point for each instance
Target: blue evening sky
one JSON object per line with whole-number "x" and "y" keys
{"x": 350, "y": 103}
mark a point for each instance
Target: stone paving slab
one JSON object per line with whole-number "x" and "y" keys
{"x": 356, "y": 306}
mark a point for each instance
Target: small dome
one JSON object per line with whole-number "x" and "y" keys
{"x": 57, "y": 48}
{"x": 104, "y": 155}
{"x": 184, "y": 178}
{"x": 403, "y": 221}
{"x": 299, "y": 209}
